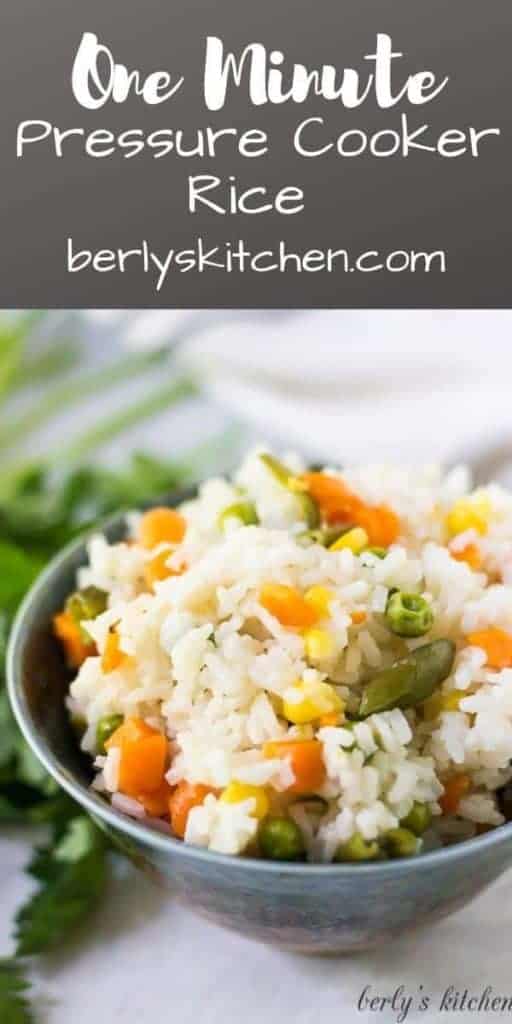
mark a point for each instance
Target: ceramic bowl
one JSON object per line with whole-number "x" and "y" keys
{"x": 309, "y": 908}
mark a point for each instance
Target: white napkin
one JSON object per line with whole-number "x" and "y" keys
{"x": 349, "y": 385}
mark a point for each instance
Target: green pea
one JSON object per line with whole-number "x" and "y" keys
{"x": 409, "y": 681}
{"x": 86, "y": 604}
{"x": 408, "y": 614}
{"x": 400, "y": 842}
{"x": 418, "y": 819}
{"x": 245, "y": 511}
{"x": 105, "y": 728}
{"x": 281, "y": 839}
{"x": 356, "y": 849}
{"x": 310, "y": 512}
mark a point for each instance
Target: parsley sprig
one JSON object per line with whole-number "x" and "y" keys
{"x": 14, "y": 1005}
{"x": 72, "y": 873}
{"x": 44, "y": 503}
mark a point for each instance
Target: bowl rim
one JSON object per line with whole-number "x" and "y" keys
{"x": 144, "y": 834}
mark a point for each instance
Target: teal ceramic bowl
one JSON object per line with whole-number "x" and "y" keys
{"x": 308, "y": 908}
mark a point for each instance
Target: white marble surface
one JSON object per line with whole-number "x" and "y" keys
{"x": 141, "y": 960}
{"x": 144, "y": 961}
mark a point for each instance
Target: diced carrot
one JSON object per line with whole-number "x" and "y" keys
{"x": 381, "y": 524}
{"x": 156, "y": 804}
{"x": 113, "y": 657}
{"x": 306, "y": 762}
{"x": 186, "y": 796}
{"x": 332, "y": 718}
{"x": 338, "y": 504}
{"x": 142, "y": 765}
{"x": 454, "y": 790}
{"x": 130, "y": 731}
{"x": 497, "y": 645}
{"x": 157, "y": 569}
{"x": 161, "y": 526}
{"x": 75, "y": 647}
{"x": 470, "y": 554}
{"x": 288, "y": 606}
{"x": 143, "y": 758}
{"x": 358, "y": 617}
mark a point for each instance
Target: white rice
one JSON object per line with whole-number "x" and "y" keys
{"x": 208, "y": 665}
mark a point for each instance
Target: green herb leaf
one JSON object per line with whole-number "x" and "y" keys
{"x": 48, "y": 361}
{"x": 17, "y": 573}
{"x": 31, "y": 771}
{"x": 9, "y": 735}
{"x": 55, "y": 811}
{"x": 72, "y": 877}
{"x": 81, "y": 838}
{"x": 44, "y": 503}
{"x": 11, "y": 352}
{"x": 14, "y": 1007}
{"x": 10, "y": 814}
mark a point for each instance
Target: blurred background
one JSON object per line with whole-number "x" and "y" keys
{"x": 103, "y": 410}
{"x": 340, "y": 385}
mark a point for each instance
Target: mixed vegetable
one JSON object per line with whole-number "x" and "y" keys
{"x": 336, "y": 519}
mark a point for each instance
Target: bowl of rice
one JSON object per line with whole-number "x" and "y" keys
{"x": 289, "y": 695}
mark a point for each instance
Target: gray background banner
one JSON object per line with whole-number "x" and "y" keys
{"x": 421, "y": 203}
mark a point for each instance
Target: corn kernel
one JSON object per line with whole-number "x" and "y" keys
{"x": 318, "y": 643}
{"x": 319, "y": 598}
{"x": 471, "y": 513}
{"x": 305, "y": 701}
{"x": 355, "y": 540}
{"x": 237, "y": 792}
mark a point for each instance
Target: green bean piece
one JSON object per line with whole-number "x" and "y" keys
{"x": 313, "y": 804}
{"x": 86, "y": 604}
{"x": 433, "y": 663}
{"x": 418, "y": 819}
{"x": 357, "y": 849}
{"x": 105, "y": 728}
{"x": 279, "y": 471}
{"x": 310, "y": 512}
{"x": 245, "y": 511}
{"x": 388, "y": 689}
{"x": 409, "y": 681}
{"x": 408, "y": 614}
{"x": 281, "y": 839}
{"x": 325, "y": 535}
{"x": 378, "y": 552}
{"x": 400, "y": 842}
{"x": 309, "y": 508}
